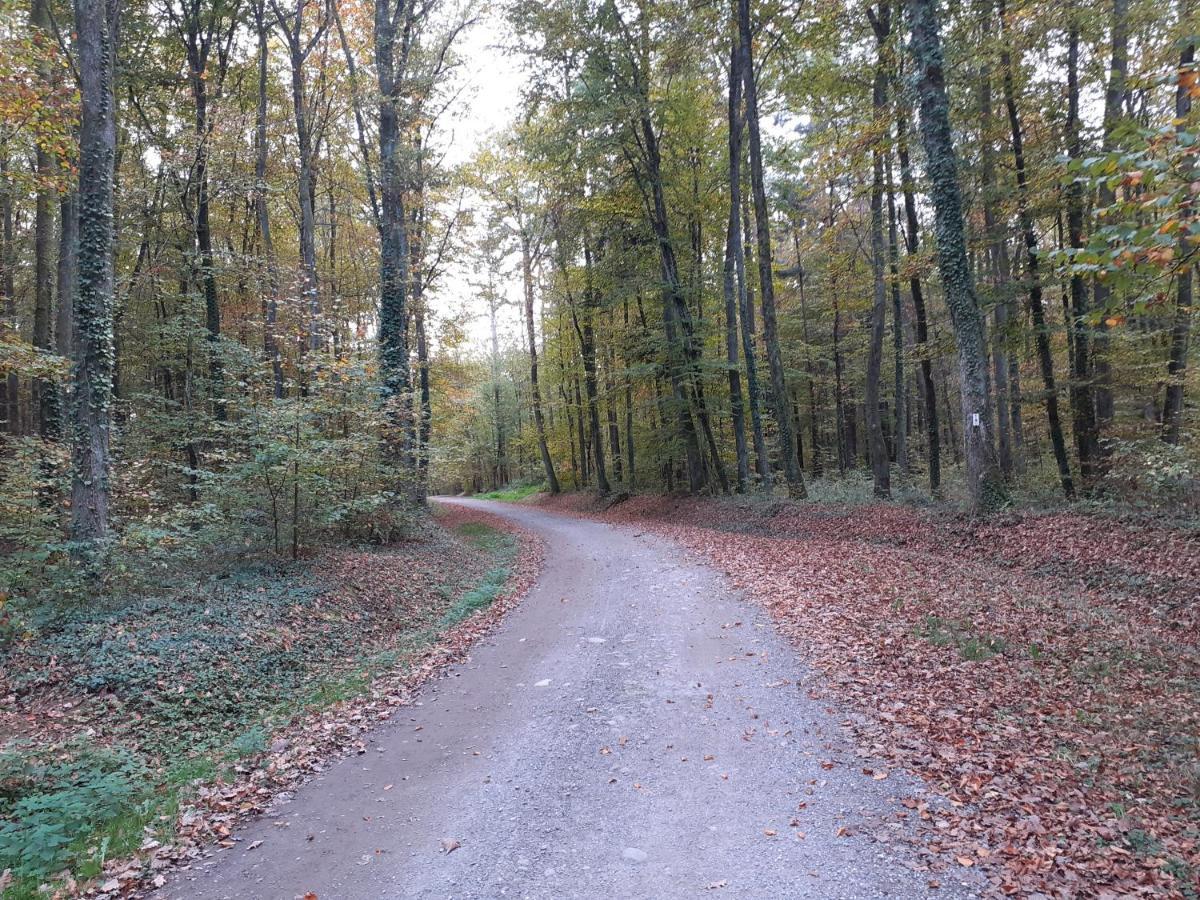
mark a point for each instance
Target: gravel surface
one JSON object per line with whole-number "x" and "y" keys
{"x": 632, "y": 729}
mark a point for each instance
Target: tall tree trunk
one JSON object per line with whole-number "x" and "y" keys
{"x": 676, "y": 317}
{"x": 97, "y": 40}
{"x": 587, "y": 345}
{"x": 10, "y": 385}
{"x": 44, "y": 400}
{"x": 536, "y": 391}
{"x": 742, "y": 263}
{"x": 299, "y": 46}
{"x": 985, "y": 485}
{"x": 500, "y": 466}
{"x": 900, "y": 388}
{"x": 1114, "y": 98}
{"x": 876, "y": 447}
{"x": 810, "y": 369}
{"x": 65, "y": 279}
{"x": 1182, "y": 321}
{"x": 270, "y": 302}
{"x": 779, "y": 392}
{"x": 424, "y": 398}
{"x": 198, "y": 29}
{"x": 393, "y": 249}
{"x": 614, "y": 432}
{"x": 1037, "y": 312}
{"x": 998, "y": 263}
{"x": 1083, "y": 406}
{"x": 733, "y": 241}
{"x": 629, "y": 453}
{"x": 933, "y": 432}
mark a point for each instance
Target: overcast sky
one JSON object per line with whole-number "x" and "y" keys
{"x": 492, "y": 83}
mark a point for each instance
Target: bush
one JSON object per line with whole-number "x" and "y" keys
{"x": 52, "y": 798}
{"x": 1151, "y": 474}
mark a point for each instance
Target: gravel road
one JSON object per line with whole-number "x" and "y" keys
{"x": 632, "y": 729}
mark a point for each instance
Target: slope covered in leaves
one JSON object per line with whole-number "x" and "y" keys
{"x": 1040, "y": 671}
{"x": 148, "y": 726}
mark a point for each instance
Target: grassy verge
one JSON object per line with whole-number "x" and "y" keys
{"x": 512, "y": 494}
{"x": 135, "y": 704}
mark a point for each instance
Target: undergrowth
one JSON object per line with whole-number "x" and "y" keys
{"x": 176, "y": 688}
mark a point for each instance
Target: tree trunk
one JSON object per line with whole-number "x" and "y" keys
{"x": 1083, "y": 406}
{"x": 733, "y": 235}
{"x": 587, "y": 346}
{"x": 629, "y": 454}
{"x": 614, "y": 432}
{"x": 536, "y": 391}
{"x": 10, "y": 385}
{"x": 393, "y": 241}
{"x": 1114, "y": 98}
{"x": 44, "y": 392}
{"x": 900, "y": 389}
{"x": 998, "y": 263}
{"x": 1181, "y": 322}
{"x": 810, "y": 369}
{"x": 933, "y": 434}
{"x": 65, "y": 279}
{"x": 97, "y": 39}
{"x": 1037, "y": 311}
{"x": 876, "y": 448}
{"x": 779, "y": 392}
{"x": 742, "y": 262}
{"x": 198, "y": 33}
{"x": 299, "y": 46}
{"x": 270, "y": 301}
{"x": 985, "y": 485}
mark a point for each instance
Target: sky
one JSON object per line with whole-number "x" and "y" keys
{"x": 491, "y": 81}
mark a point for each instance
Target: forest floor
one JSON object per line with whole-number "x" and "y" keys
{"x": 138, "y": 730}
{"x": 1041, "y": 672}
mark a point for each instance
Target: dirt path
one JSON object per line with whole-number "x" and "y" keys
{"x": 633, "y": 729}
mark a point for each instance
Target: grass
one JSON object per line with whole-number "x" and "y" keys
{"x": 70, "y": 807}
{"x": 512, "y": 493}
{"x": 942, "y": 632}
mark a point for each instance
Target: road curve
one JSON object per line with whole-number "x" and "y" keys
{"x": 632, "y": 729}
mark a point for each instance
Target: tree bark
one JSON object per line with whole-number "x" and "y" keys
{"x": 998, "y": 264}
{"x": 1114, "y": 98}
{"x": 44, "y": 392}
{"x": 270, "y": 301}
{"x": 535, "y": 389}
{"x": 900, "y": 389}
{"x": 1037, "y": 312}
{"x": 1083, "y": 407}
{"x": 1182, "y": 320}
{"x": 587, "y": 346}
{"x": 933, "y": 431}
{"x": 985, "y": 485}
{"x": 393, "y": 249}
{"x": 876, "y": 447}
{"x": 733, "y": 241}
{"x": 779, "y": 392}
{"x": 97, "y": 40}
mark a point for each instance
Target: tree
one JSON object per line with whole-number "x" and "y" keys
{"x": 766, "y": 276}
{"x": 984, "y": 482}
{"x": 97, "y": 24}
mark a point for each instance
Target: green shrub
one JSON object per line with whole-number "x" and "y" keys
{"x": 52, "y": 799}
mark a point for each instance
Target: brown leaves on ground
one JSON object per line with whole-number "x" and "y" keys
{"x": 1040, "y": 671}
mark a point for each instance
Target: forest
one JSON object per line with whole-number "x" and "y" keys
{"x": 918, "y": 269}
